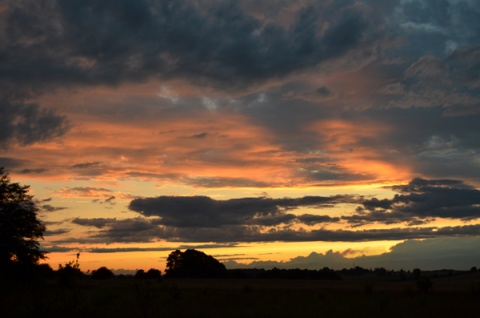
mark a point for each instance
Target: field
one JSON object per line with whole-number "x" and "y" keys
{"x": 450, "y": 296}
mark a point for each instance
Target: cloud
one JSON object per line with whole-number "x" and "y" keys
{"x": 95, "y": 222}
{"x": 422, "y": 199}
{"x": 377, "y": 66}
{"x": 446, "y": 24}
{"x": 56, "y": 232}
{"x": 86, "y": 165}
{"x": 28, "y": 123}
{"x": 33, "y": 171}
{"x": 312, "y": 219}
{"x": 9, "y": 163}
{"x": 85, "y": 192}
{"x": 131, "y": 230}
{"x": 218, "y": 182}
{"x": 110, "y": 199}
{"x": 51, "y": 208}
{"x": 148, "y": 230}
{"x": 199, "y": 43}
{"x": 200, "y": 211}
{"x": 102, "y": 250}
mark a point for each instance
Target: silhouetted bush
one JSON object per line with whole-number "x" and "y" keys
{"x": 66, "y": 274}
{"x": 152, "y": 273}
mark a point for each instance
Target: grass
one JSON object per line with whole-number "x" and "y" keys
{"x": 239, "y": 298}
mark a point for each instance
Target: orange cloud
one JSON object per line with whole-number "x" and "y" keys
{"x": 346, "y": 144}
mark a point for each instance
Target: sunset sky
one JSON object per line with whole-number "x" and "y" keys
{"x": 286, "y": 133}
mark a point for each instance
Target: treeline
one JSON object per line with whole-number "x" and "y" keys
{"x": 70, "y": 272}
{"x": 277, "y": 273}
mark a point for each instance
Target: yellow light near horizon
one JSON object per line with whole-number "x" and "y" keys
{"x": 244, "y": 253}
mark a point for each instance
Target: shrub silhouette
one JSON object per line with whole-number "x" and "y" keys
{"x": 67, "y": 273}
{"x": 193, "y": 264}
{"x": 152, "y": 273}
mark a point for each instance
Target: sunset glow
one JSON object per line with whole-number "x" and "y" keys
{"x": 255, "y": 133}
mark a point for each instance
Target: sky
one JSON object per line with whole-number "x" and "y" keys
{"x": 264, "y": 133}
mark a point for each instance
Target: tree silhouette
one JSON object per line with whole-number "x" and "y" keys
{"x": 102, "y": 273}
{"x": 153, "y": 273}
{"x": 19, "y": 227}
{"x": 193, "y": 264}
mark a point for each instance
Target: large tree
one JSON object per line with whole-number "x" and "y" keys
{"x": 20, "y": 229}
{"x": 193, "y": 264}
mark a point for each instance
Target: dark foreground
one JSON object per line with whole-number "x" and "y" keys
{"x": 457, "y": 296}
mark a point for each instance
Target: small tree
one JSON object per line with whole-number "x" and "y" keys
{"x": 20, "y": 229}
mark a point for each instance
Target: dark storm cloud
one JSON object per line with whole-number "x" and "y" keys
{"x": 200, "y": 211}
{"x": 28, "y": 123}
{"x": 203, "y": 219}
{"x": 437, "y": 26}
{"x": 147, "y": 230}
{"x": 216, "y": 41}
{"x": 133, "y": 230}
{"x": 55, "y": 44}
{"x": 421, "y": 200}
{"x": 450, "y": 83}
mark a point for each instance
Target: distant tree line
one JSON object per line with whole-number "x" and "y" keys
{"x": 277, "y": 273}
